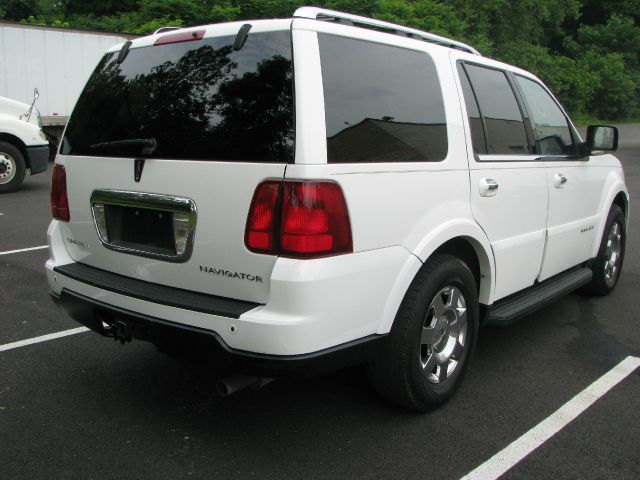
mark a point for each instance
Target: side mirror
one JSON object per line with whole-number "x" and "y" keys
{"x": 602, "y": 138}
{"x": 36, "y": 94}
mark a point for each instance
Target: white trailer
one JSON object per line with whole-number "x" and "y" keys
{"x": 57, "y": 61}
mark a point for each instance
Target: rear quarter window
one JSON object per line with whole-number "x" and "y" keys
{"x": 382, "y": 103}
{"x": 198, "y": 100}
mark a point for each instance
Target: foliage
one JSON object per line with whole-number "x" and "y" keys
{"x": 587, "y": 51}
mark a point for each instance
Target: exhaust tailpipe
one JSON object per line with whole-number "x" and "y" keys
{"x": 230, "y": 385}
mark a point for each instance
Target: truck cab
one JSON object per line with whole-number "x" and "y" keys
{"x": 23, "y": 144}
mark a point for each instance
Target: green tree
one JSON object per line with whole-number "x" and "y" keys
{"x": 615, "y": 93}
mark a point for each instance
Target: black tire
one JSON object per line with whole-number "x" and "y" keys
{"x": 12, "y": 168}
{"x": 605, "y": 276}
{"x": 399, "y": 374}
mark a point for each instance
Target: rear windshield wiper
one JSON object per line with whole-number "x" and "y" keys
{"x": 147, "y": 145}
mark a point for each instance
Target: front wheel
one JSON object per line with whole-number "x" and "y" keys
{"x": 12, "y": 168}
{"x": 432, "y": 339}
{"x": 608, "y": 264}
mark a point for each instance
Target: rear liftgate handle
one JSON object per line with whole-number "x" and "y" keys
{"x": 488, "y": 187}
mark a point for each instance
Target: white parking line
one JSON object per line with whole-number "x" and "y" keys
{"x": 43, "y": 338}
{"x": 24, "y": 250}
{"x": 527, "y": 443}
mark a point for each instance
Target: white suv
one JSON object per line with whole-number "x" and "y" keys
{"x": 303, "y": 194}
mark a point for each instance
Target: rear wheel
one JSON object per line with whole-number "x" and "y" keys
{"x": 433, "y": 337}
{"x": 12, "y": 168}
{"x": 608, "y": 263}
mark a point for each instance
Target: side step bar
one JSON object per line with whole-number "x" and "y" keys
{"x": 507, "y": 311}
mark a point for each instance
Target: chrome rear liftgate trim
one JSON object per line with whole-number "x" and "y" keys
{"x": 184, "y": 218}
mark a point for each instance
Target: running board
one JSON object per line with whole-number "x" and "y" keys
{"x": 507, "y": 311}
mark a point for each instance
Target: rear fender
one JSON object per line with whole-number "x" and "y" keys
{"x": 458, "y": 228}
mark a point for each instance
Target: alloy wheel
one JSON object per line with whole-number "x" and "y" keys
{"x": 444, "y": 334}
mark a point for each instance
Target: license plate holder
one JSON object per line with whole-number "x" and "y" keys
{"x": 145, "y": 224}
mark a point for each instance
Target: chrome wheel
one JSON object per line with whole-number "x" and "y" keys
{"x": 613, "y": 250}
{"x": 432, "y": 339}
{"x": 7, "y": 168}
{"x": 444, "y": 333}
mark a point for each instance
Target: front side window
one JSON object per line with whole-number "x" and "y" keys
{"x": 505, "y": 130}
{"x": 382, "y": 103}
{"x": 550, "y": 127}
{"x": 198, "y": 100}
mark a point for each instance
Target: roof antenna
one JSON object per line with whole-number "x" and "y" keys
{"x": 124, "y": 51}
{"x": 241, "y": 37}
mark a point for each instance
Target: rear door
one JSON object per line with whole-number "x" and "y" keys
{"x": 171, "y": 143}
{"x": 508, "y": 185}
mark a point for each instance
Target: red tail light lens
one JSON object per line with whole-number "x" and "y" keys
{"x": 260, "y": 231}
{"x": 312, "y": 219}
{"x": 315, "y": 220}
{"x": 180, "y": 37}
{"x": 59, "y": 200}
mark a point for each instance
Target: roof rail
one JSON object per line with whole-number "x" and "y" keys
{"x": 365, "y": 22}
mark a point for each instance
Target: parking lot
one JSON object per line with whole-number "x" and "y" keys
{"x": 82, "y": 406}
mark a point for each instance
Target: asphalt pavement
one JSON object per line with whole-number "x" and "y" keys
{"x": 85, "y": 407}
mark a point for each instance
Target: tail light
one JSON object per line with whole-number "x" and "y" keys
{"x": 300, "y": 219}
{"x": 59, "y": 200}
{"x": 261, "y": 225}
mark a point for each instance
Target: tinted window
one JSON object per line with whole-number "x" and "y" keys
{"x": 550, "y": 127}
{"x": 499, "y": 108}
{"x": 198, "y": 100}
{"x": 473, "y": 113}
{"x": 382, "y": 103}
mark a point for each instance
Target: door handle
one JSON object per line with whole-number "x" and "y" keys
{"x": 488, "y": 187}
{"x": 559, "y": 180}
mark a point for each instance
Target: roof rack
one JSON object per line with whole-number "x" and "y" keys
{"x": 365, "y": 22}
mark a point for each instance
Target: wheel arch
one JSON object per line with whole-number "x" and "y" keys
{"x": 622, "y": 201}
{"x": 16, "y": 142}
{"x": 617, "y": 194}
{"x": 473, "y": 255}
{"x": 465, "y": 240}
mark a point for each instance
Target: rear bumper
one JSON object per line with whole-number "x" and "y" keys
{"x": 313, "y": 305}
{"x": 105, "y": 319}
{"x": 151, "y": 292}
{"x": 38, "y": 158}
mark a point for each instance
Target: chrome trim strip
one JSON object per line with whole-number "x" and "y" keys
{"x": 508, "y": 158}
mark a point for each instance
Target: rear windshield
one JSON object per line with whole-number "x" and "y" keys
{"x": 197, "y": 100}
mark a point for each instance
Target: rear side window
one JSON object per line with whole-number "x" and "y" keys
{"x": 197, "y": 100}
{"x": 382, "y": 103}
{"x": 505, "y": 130}
{"x": 550, "y": 126}
{"x": 475, "y": 122}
